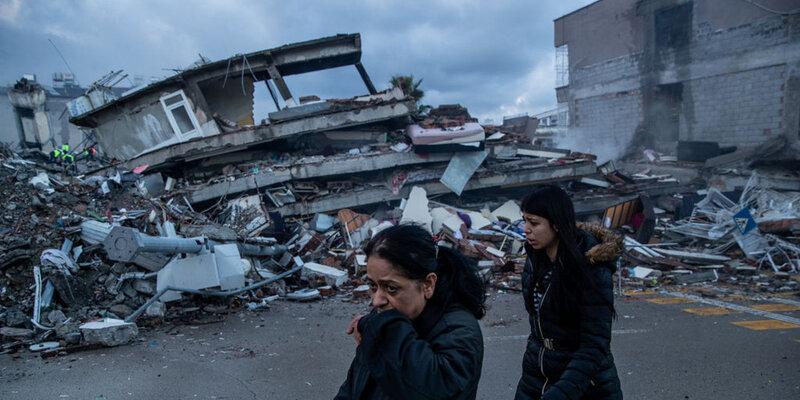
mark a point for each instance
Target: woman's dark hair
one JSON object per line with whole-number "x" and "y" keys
{"x": 571, "y": 278}
{"x": 411, "y": 250}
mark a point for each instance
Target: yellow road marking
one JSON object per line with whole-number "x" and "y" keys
{"x": 776, "y": 307}
{"x": 639, "y": 292}
{"x": 788, "y": 295}
{"x": 735, "y": 297}
{"x": 763, "y": 325}
{"x": 669, "y": 300}
{"x": 708, "y": 311}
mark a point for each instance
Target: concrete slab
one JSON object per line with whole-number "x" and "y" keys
{"x": 509, "y": 211}
{"x": 315, "y": 167}
{"x": 416, "y": 210}
{"x": 461, "y": 168}
{"x": 332, "y": 276}
{"x": 109, "y": 332}
{"x": 229, "y": 266}
{"x": 191, "y": 272}
{"x": 483, "y": 179}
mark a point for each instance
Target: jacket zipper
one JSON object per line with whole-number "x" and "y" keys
{"x": 541, "y": 334}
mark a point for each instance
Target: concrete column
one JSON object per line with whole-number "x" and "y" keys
{"x": 272, "y": 94}
{"x": 365, "y": 78}
{"x": 281, "y": 84}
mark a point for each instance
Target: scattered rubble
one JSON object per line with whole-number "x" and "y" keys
{"x": 251, "y": 214}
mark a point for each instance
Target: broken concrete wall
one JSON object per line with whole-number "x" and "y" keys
{"x": 8, "y": 120}
{"x": 234, "y": 101}
{"x": 30, "y": 107}
{"x": 36, "y": 118}
{"x": 129, "y": 134}
{"x": 143, "y": 125}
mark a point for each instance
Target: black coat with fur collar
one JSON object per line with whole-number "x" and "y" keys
{"x": 569, "y": 356}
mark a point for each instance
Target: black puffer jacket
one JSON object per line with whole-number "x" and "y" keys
{"x": 439, "y": 356}
{"x": 569, "y": 356}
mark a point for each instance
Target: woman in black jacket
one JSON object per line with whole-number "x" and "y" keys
{"x": 568, "y": 294}
{"x": 422, "y": 339}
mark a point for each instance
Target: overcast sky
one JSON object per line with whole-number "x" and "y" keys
{"x": 495, "y": 57}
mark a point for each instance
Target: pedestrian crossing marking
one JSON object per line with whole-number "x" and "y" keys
{"x": 767, "y": 324}
{"x": 777, "y": 307}
{"x": 669, "y": 300}
{"x": 704, "y": 311}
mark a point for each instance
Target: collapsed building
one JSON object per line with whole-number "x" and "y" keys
{"x": 210, "y": 107}
{"x": 311, "y": 155}
{"x": 681, "y": 77}
{"x": 195, "y": 202}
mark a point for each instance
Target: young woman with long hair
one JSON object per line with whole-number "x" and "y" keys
{"x": 568, "y": 293}
{"x": 422, "y": 339}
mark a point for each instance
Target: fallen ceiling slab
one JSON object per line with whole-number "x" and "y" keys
{"x": 314, "y": 168}
{"x": 229, "y": 142}
{"x": 481, "y": 180}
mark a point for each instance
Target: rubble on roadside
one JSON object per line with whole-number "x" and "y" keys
{"x": 82, "y": 256}
{"x": 745, "y": 240}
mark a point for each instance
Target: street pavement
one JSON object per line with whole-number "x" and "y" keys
{"x": 666, "y": 347}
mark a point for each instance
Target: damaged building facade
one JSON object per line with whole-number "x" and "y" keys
{"x": 659, "y": 73}
{"x": 34, "y": 116}
{"x": 207, "y": 106}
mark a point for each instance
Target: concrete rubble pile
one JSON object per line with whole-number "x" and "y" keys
{"x": 89, "y": 260}
{"x": 738, "y": 231}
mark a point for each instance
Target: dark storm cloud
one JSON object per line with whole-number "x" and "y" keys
{"x": 496, "y": 57}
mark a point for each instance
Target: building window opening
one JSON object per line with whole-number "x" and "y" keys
{"x": 183, "y": 122}
{"x": 674, "y": 26}
{"x": 562, "y": 66}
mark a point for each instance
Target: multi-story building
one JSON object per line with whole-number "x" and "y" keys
{"x": 651, "y": 73}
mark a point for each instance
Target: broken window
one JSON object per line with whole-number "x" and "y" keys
{"x": 674, "y": 26}
{"x": 180, "y": 117}
{"x": 562, "y": 66}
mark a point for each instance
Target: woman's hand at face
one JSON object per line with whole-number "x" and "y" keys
{"x": 352, "y": 329}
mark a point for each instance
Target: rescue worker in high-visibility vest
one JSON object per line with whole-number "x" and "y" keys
{"x": 68, "y": 159}
{"x": 60, "y": 153}
{"x": 55, "y": 155}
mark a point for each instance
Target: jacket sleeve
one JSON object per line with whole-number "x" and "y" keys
{"x": 595, "y": 340}
{"x": 411, "y": 368}
{"x": 345, "y": 391}
{"x": 527, "y": 274}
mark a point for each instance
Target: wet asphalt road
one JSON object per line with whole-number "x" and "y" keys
{"x": 299, "y": 351}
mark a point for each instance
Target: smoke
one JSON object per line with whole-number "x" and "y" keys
{"x": 605, "y": 147}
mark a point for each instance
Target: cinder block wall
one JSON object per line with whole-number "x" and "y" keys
{"x": 741, "y": 86}
{"x": 604, "y": 125}
{"x": 744, "y": 108}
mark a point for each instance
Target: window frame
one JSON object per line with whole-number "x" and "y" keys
{"x": 183, "y": 102}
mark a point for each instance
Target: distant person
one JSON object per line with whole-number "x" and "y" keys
{"x": 422, "y": 339}
{"x": 568, "y": 293}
